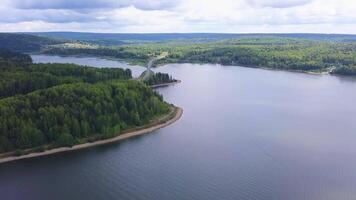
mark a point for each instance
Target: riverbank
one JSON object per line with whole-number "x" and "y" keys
{"x": 156, "y": 124}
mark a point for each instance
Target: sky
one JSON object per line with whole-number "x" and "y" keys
{"x": 179, "y": 16}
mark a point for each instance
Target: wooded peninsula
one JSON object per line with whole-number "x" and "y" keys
{"x": 44, "y": 106}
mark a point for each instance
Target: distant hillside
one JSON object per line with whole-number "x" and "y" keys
{"x": 27, "y": 42}
{"x": 122, "y": 38}
{"x": 135, "y": 37}
{"x": 318, "y": 53}
{"x": 24, "y": 42}
{"x": 13, "y": 57}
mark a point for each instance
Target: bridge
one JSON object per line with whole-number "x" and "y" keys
{"x": 148, "y": 72}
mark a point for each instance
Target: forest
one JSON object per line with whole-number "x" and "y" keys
{"x": 326, "y": 53}
{"x": 53, "y": 105}
{"x": 274, "y": 53}
{"x": 19, "y": 42}
{"x": 7, "y": 56}
{"x": 159, "y": 78}
{"x": 24, "y": 78}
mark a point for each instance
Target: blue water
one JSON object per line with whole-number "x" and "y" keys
{"x": 245, "y": 134}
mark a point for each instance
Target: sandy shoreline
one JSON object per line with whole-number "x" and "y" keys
{"x": 178, "y": 113}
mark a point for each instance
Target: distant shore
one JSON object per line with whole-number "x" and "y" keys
{"x": 164, "y": 121}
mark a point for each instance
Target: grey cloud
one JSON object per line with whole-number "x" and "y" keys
{"x": 52, "y": 16}
{"x": 67, "y": 11}
{"x": 93, "y": 4}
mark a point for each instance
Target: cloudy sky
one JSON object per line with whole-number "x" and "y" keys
{"x": 228, "y": 16}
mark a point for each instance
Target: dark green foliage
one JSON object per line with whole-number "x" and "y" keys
{"x": 63, "y": 114}
{"x": 60, "y": 104}
{"x": 159, "y": 78}
{"x": 39, "y": 149}
{"x": 300, "y": 52}
{"x": 345, "y": 70}
{"x": 300, "y": 57}
{"x": 65, "y": 139}
{"x": 21, "y": 79}
{"x": 19, "y": 152}
{"x": 14, "y": 57}
{"x": 25, "y": 42}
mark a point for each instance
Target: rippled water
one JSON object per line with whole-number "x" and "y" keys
{"x": 245, "y": 134}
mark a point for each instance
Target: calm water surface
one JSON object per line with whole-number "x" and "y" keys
{"x": 89, "y": 61}
{"x": 245, "y": 134}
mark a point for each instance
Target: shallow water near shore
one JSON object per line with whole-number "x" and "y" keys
{"x": 245, "y": 134}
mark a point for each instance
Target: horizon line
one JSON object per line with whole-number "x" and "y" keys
{"x": 226, "y": 33}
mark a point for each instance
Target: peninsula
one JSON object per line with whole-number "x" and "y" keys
{"x": 52, "y": 108}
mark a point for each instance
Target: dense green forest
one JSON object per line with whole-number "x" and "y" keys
{"x": 301, "y": 52}
{"x": 64, "y": 114}
{"x": 159, "y": 78}
{"x": 274, "y": 53}
{"x": 25, "y": 42}
{"x": 13, "y": 57}
{"x": 25, "y": 78}
{"x": 345, "y": 70}
{"x": 302, "y": 57}
{"x": 66, "y": 104}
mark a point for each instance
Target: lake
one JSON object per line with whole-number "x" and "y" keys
{"x": 245, "y": 134}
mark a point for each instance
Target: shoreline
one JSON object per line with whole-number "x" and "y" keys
{"x": 165, "y": 84}
{"x": 161, "y": 123}
{"x": 126, "y": 61}
{"x": 256, "y": 67}
{"x": 199, "y": 63}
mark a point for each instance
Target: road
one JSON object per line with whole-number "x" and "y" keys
{"x": 146, "y": 74}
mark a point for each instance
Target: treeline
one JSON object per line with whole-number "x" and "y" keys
{"x": 159, "y": 78}
{"x": 255, "y": 57}
{"x": 345, "y": 70}
{"x": 274, "y": 53}
{"x": 24, "y": 42}
{"x": 13, "y": 57}
{"x": 302, "y": 57}
{"x": 18, "y": 78}
{"x": 119, "y": 53}
{"x": 301, "y": 52}
{"x": 68, "y": 114}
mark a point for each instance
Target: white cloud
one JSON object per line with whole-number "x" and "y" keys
{"x": 325, "y": 16}
{"x": 279, "y": 3}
